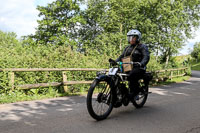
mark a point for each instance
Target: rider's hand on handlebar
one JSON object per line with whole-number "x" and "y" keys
{"x": 112, "y": 62}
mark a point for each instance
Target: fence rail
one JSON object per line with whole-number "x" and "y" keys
{"x": 169, "y": 73}
{"x": 158, "y": 75}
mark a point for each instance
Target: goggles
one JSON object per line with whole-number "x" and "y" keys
{"x": 131, "y": 37}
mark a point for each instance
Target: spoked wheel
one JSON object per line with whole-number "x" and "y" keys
{"x": 99, "y": 100}
{"x": 140, "y": 99}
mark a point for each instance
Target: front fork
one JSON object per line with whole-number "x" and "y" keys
{"x": 114, "y": 84}
{"x": 116, "y": 92}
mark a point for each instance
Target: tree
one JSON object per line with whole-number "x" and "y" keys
{"x": 8, "y": 40}
{"x": 165, "y": 24}
{"x": 178, "y": 17}
{"x": 109, "y": 22}
{"x": 196, "y": 51}
{"x": 59, "y": 23}
{"x": 102, "y": 27}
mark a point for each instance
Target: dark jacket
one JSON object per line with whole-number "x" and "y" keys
{"x": 141, "y": 54}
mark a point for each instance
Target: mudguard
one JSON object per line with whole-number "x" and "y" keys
{"x": 103, "y": 77}
{"x": 148, "y": 76}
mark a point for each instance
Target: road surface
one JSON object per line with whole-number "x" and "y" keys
{"x": 173, "y": 108}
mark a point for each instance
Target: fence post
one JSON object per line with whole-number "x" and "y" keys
{"x": 12, "y": 80}
{"x": 171, "y": 74}
{"x": 156, "y": 75}
{"x": 178, "y": 73}
{"x": 64, "y": 74}
{"x": 185, "y": 70}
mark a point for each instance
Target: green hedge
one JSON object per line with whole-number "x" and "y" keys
{"x": 17, "y": 54}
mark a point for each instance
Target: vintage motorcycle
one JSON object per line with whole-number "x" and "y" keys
{"x": 110, "y": 89}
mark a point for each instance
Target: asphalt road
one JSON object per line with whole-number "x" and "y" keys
{"x": 173, "y": 108}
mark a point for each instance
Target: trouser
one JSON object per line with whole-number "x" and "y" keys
{"x": 134, "y": 76}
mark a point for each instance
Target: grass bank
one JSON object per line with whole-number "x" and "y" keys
{"x": 196, "y": 67}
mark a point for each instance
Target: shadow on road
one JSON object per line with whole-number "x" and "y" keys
{"x": 29, "y": 112}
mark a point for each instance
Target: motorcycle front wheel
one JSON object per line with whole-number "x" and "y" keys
{"x": 99, "y": 100}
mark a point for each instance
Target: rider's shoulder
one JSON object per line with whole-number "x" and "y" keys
{"x": 142, "y": 45}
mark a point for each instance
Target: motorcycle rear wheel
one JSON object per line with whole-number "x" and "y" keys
{"x": 140, "y": 99}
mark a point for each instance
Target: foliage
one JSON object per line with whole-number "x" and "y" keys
{"x": 16, "y": 96}
{"x": 195, "y": 54}
{"x": 68, "y": 37}
{"x": 101, "y": 28}
{"x": 15, "y": 54}
{"x": 153, "y": 65}
{"x": 165, "y": 24}
{"x": 196, "y": 51}
{"x": 196, "y": 67}
{"x": 60, "y": 20}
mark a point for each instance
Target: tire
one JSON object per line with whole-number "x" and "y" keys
{"x": 98, "y": 97}
{"x": 140, "y": 99}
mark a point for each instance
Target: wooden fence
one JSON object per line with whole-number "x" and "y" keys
{"x": 162, "y": 75}
{"x": 158, "y": 75}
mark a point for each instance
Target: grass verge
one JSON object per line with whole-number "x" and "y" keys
{"x": 174, "y": 80}
{"x": 196, "y": 67}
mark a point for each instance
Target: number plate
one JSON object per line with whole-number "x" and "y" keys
{"x": 112, "y": 71}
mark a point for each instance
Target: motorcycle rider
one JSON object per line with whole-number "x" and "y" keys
{"x": 140, "y": 55}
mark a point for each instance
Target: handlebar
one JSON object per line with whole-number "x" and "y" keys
{"x": 120, "y": 64}
{"x": 128, "y": 63}
{"x": 113, "y": 62}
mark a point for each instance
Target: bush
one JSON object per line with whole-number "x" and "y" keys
{"x": 16, "y": 54}
{"x": 153, "y": 64}
{"x": 19, "y": 54}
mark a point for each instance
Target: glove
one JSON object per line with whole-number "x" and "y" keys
{"x": 137, "y": 64}
{"x": 112, "y": 62}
